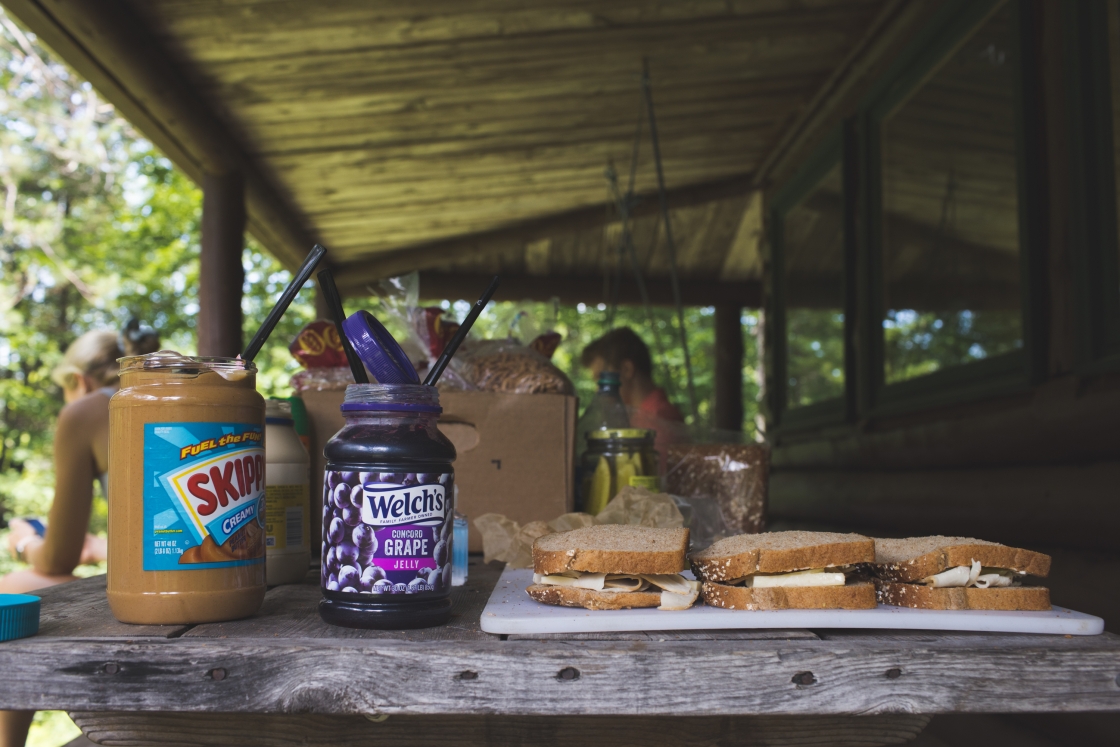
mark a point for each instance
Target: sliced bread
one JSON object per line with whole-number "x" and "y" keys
{"x": 859, "y": 595}
{"x": 923, "y": 597}
{"x": 916, "y": 558}
{"x": 568, "y": 596}
{"x": 780, "y": 552}
{"x": 612, "y": 548}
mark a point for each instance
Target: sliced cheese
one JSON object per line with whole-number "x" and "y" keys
{"x": 812, "y": 577}
{"x": 677, "y": 592}
{"x": 671, "y": 600}
{"x": 964, "y": 576}
{"x": 593, "y": 581}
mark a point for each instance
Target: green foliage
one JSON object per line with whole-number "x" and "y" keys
{"x": 815, "y": 355}
{"x": 918, "y": 343}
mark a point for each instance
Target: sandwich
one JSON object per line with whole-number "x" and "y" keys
{"x": 958, "y": 573}
{"x": 613, "y": 566}
{"x": 786, "y": 570}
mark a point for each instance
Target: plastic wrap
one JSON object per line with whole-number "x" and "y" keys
{"x": 505, "y": 540}
{"x": 723, "y": 487}
{"x": 318, "y": 349}
{"x": 507, "y": 366}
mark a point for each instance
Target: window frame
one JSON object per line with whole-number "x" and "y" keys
{"x": 1004, "y": 373}
{"x": 1093, "y": 186}
{"x": 830, "y": 153}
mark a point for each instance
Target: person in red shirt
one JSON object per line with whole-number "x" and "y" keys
{"x": 622, "y": 351}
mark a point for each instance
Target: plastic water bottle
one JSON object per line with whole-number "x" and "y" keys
{"x": 459, "y": 550}
{"x": 605, "y": 411}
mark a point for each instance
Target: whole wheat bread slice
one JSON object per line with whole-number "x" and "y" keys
{"x": 568, "y": 596}
{"x": 612, "y": 548}
{"x": 859, "y": 595}
{"x": 923, "y": 597}
{"x": 916, "y": 558}
{"x": 780, "y": 552}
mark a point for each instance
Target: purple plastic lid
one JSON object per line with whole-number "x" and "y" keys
{"x": 378, "y": 350}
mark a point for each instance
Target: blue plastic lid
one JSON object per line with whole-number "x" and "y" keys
{"x": 19, "y": 616}
{"x": 378, "y": 350}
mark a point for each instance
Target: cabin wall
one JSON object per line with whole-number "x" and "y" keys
{"x": 1023, "y": 451}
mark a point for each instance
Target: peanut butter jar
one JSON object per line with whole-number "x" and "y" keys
{"x": 186, "y": 491}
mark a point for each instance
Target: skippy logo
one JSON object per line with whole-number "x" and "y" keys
{"x": 389, "y": 505}
{"x": 220, "y": 494}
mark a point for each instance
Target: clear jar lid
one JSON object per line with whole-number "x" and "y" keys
{"x": 168, "y": 361}
{"x": 391, "y": 397}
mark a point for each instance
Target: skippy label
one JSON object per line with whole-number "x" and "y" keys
{"x": 204, "y": 495}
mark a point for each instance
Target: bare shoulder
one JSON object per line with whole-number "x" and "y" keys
{"x": 90, "y": 411}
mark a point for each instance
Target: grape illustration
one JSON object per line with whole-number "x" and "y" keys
{"x": 357, "y": 496}
{"x": 340, "y": 497}
{"x": 371, "y": 576}
{"x": 364, "y": 536}
{"x": 351, "y": 515}
{"x": 337, "y": 530}
{"x": 347, "y": 552}
{"x": 349, "y": 576}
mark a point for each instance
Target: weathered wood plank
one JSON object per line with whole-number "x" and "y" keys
{"x": 220, "y": 730}
{"x": 293, "y": 612}
{"x": 662, "y": 636}
{"x": 378, "y": 676}
{"x": 80, "y": 609}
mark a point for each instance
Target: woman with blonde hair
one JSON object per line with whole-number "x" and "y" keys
{"x": 88, "y": 378}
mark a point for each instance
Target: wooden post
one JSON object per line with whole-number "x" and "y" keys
{"x": 221, "y": 274}
{"x": 727, "y": 407}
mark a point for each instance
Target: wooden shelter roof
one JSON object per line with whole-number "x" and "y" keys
{"x": 460, "y": 137}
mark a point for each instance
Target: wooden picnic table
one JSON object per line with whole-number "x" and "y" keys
{"x": 284, "y": 677}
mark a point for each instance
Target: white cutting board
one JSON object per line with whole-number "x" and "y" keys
{"x": 511, "y": 611}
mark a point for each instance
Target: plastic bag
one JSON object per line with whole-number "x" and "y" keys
{"x": 318, "y": 349}
{"x": 724, "y": 485}
{"x": 505, "y": 540}
{"x": 505, "y": 366}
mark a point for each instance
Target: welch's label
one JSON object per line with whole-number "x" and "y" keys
{"x": 387, "y": 533}
{"x": 389, "y": 505}
{"x": 203, "y": 495}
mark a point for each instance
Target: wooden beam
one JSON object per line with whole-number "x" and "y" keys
{"x": 108, "y": 45}
{"x": 838, "y": 96}
{"x": 587, "y": 289}
{"x": 727, "y": 409}
{"x": 221, "y": 274}
{"x": 312, "y": 730}
{"x": 354, "y": 276}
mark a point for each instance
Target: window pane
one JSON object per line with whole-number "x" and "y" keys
{"x": 813, "y": 252}
{"x": 950, "y": 211}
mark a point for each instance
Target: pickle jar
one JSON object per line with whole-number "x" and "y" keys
{"x": 616, "y": 458}
{"x": 388, "y": 511}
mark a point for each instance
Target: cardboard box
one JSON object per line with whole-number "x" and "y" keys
{"x": 516, "y": 452}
